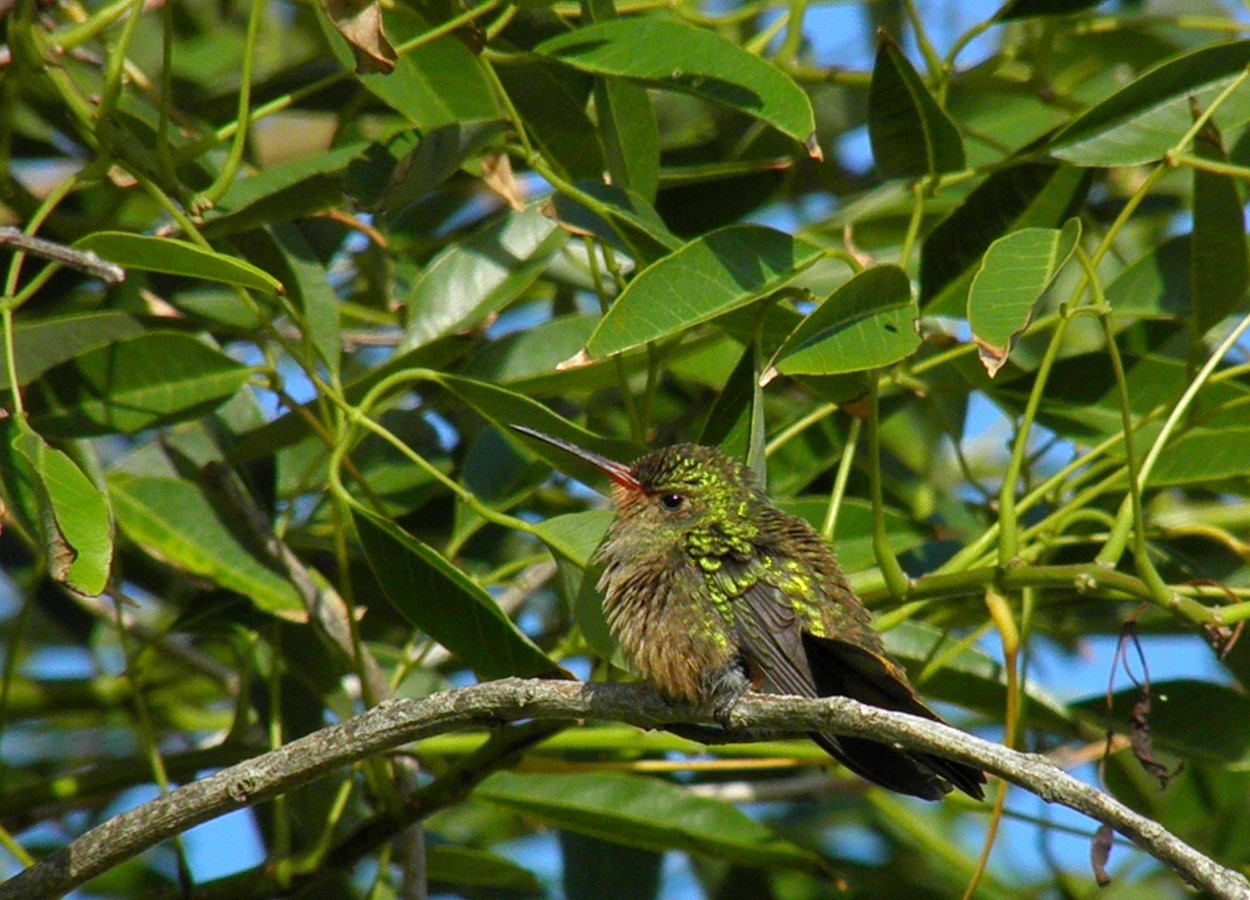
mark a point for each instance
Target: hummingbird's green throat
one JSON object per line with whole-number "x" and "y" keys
{"x": 712, "y": 590}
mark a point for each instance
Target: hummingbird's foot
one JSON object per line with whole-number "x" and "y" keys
{"x": 723, "y": 690}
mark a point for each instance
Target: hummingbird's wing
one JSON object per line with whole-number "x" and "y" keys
{"x": 785, "y": 658}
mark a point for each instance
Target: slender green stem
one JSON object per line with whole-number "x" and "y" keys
{"x": 114, "y": 73}
{"x": 103, "y": 18}
{"x": 913, "y": 224}
{"x": 1145, "y": 569}
{"x": 758, "y": 43}
{"x": 932, "y": 61}
{"x": 1008, "y": 533}
{"x": 10, "y": 301}
{"x": 164, "y": 153}
{"x": 146, "y": 732}
{"x": 895, "y": 578}
{"x": 1086, "y": 579}
{"x": 964, "y": 40}
{"x": 445, "y": 28}
{"x": 797, "y": 427}
{"x": 358, "y": 417}
{"x": 622, "y": 377}
{"x": 518, "y": 123}
{"x": 1213, "y": 166}
{"x": 839, "y": 482}
{"x": 794, "y": 32}
{"x": 1115, "y": 547}
{"x": 225, "y": 178}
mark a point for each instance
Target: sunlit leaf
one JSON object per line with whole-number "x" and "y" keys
{"x": 1014, "y": 275}
{"x": 667, "y": 54}
{"x": 74, "y": 518}
{"x": 868, "y": 322}
{"x": 173, "y": 520}
{"x": 715, "y": 274}
{"x": 136, "y": 251}
{"x": 468, "y": 282}
{"x": 1029, "y": 195}
{"x": 1145, "y": 119}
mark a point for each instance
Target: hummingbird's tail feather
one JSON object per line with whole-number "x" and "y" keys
{"x": 842, "y": 669}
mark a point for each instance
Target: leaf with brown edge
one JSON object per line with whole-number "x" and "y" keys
{"x": 360, "y": 24}
{"x": 75, "y": 521}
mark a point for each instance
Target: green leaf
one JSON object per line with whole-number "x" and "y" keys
{"x": 631, "y": 138}
{"x": 573, "y": 539}
{"x": 912, "y": 137}
{"x": 1182, "y": 722}
{"x": 172, "y": 520}
{"x": 590, "y": 864}
{"x": 456, "y": 868}
{"x": 75, "y": 525}
{"x": 1145, "y": 119}
{"x": 468, "y": 282}
{"x": 627, "y": 125}
{"x": 437, "y": 83}
{"x": 39, "y": 344}
{"x": 714, "y": 274}
{"x": 671, "y": 55}
{"x": 154, "y": 254}
{"x": 868, "y": 322}
{"x": 152, "y": 379}
{"x": 575, "y": 536}
{"x": 1219, "y": 268}
{"x": 1030, "y": 195}
{"x": 736, "y": 420}
{"x": 646, "y": 237}
{"x": 1155, "y": 286}
{"x": 282, "y": 193}
{"x": 446, "y": 604}
{"x": 648, "y": 814}
{"x": 552, "y": 101}
{"x": 1015, "y": 273}
{"x": 1204, "y": 455}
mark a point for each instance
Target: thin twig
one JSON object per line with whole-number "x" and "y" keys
{"x": 83, "y": 260}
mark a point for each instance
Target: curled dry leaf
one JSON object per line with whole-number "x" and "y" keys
{"x": 360, "y": 24}
{"x": 1099, "y": 853}
{"x": 497, "y": 175}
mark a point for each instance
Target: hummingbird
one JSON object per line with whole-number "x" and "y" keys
{"x": 711, "y": 591}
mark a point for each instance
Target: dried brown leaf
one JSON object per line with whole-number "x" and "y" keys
{"x": 360, "y": 24}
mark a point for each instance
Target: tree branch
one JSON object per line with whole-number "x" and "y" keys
{"x": 397, "y": 722}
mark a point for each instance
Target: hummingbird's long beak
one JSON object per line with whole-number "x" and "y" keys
{"x": 621, "y": 474}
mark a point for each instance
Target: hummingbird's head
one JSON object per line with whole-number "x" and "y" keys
{"x": 675, "y": 487}
{"x": 687, "y": 483}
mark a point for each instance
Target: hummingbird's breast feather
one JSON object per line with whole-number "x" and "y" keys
{"x": 660, "y": 612}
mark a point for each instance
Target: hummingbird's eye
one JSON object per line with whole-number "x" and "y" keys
{"x": 672, "y": 502}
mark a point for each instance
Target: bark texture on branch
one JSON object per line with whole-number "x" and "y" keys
{"x": 397, "y": 722}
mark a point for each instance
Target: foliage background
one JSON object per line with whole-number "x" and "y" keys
{"x": 341, "y": 284}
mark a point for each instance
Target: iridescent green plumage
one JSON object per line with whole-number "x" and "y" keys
{"x": 710, "y": 590}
